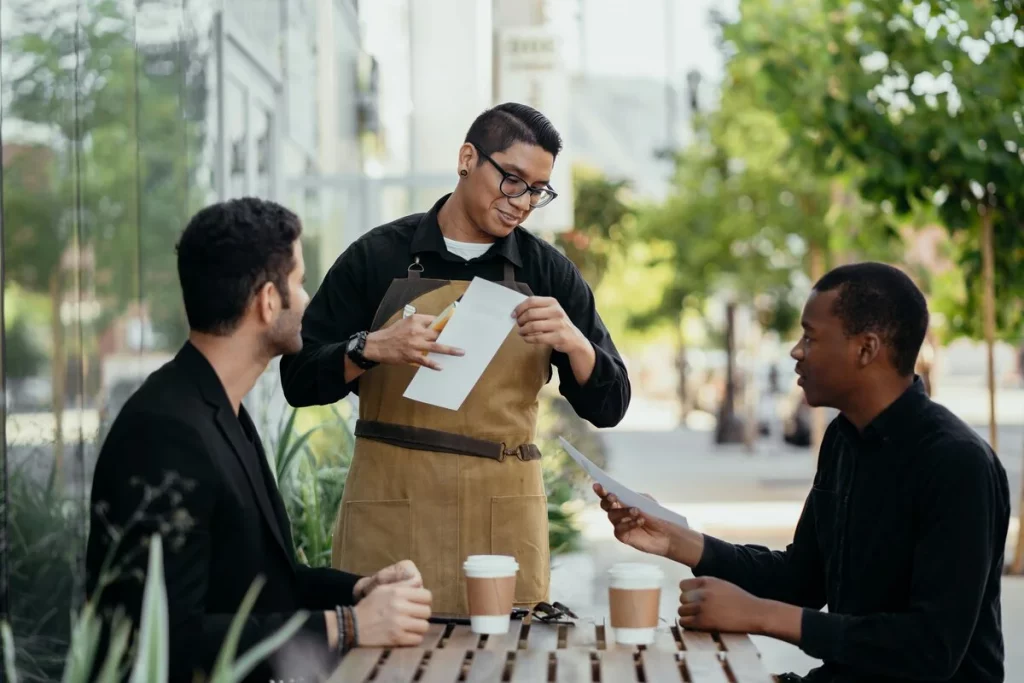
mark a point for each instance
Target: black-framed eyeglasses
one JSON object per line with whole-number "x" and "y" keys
{"x": 513, "y": 186}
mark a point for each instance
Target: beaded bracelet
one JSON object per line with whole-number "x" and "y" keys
{"x": 348, "y": 638}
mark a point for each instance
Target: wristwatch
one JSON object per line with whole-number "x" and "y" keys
{"x": 354, "y": 349}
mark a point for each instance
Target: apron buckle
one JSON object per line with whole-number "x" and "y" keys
{"x": 509, "y": 452}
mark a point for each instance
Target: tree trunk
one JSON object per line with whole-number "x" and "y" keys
{"x": 58, "y": 378}
{"x": 1017, "y": 566}
{"x": 681, "y": 393}
{"x": 730, "y": 427}
{"x": 989, "y": 312}
{"x": 817, "y": 255}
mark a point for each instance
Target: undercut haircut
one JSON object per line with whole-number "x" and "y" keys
{"x": 502, "y": 126}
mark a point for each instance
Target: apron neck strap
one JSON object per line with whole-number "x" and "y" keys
{"x": 414, "y": 269}
{"x": 510, "y": 272}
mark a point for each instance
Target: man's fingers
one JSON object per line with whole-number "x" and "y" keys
{"x": 689, "y": 622}
{"x": 537, "y": 327}
{"x": 427, "y": 363}
{"x": 691, "y": 584}
{"x": 446, "y": 350}
{"x": 690, "y": 609}
{"x": 417, "y": 595}
{"x": 416, "y": 613}
{"x": 691, "y": 597}
{"x": 409, "y": 639}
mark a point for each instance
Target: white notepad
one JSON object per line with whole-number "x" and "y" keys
{"x": 479, "y": 326}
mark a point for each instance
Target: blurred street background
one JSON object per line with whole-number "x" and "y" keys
{"x": 719, "y": 158}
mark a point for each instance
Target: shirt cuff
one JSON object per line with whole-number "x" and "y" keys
{"x": 821, "y": 634}
{"x": 332, "y": 370}
{"x": 713, "y": 557}
{"x": 604, "y": 371}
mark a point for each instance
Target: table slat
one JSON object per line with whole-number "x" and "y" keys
{"x": 401, "y": 665}
{"x": 661, "y": 667}
{"x": 617, "y": 666}
{"x": 531, "y": 666}
{"x": 542, "y": 637}
{"x": 704, "y": 667}
{"x": 698, "y": 640}
{"x": 444, "y": 667}
{"x": 573, "y": 666}
{"x": 738, "y": 642}
{"x": 582, "y": 635}
{"x": 664, "y": 641}
{"x": 487, "y": 667}
{"x": 433, "y": 635}
{"x": 506, "y": 641}
{"x": 747, "y": 667}
{"x": 463, "y": 638}
{"x": 356, "y": 666}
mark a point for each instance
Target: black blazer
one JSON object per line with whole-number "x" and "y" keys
{"x": 178, "y": 443}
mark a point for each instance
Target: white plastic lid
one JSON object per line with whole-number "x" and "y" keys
{"x": 505, "y": 564}
{"x": 636, "y": 573}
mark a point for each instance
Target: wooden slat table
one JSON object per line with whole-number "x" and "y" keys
{"x": 543, "y": 653}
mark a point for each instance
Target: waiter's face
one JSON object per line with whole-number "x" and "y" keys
{"x": 490, "y": 210}
{"x": 285, "y": 335}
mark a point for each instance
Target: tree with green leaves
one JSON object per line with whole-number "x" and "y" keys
{"x": 927, "y": 101}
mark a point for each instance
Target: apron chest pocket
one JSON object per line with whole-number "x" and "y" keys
{"x": 367, "y": 525}
{"x": 519, "y": 527}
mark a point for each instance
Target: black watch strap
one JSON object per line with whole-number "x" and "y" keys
{"x": 355, "y": 348}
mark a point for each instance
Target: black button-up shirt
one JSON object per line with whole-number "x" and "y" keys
{"x": 903, "y": 537}
{"x": 353, "y": 288}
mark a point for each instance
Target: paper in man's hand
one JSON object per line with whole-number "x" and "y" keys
{"x": 626, "y": 496}
{"x": 479, "y": 326}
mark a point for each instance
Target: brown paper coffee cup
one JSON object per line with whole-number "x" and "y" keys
{"x": 634, "y": 608}
{"x": 490, "y": 596}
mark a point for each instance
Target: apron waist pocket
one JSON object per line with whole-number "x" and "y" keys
{"x": 423, "y": 439}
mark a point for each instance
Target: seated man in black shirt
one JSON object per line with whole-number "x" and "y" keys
{"x": 183, "y": 458}
{"x": 903, "y": 534}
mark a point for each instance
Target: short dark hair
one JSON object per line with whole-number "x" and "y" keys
{"x": 882, "y": 299}
{"x": 227, "y": 252}
{"x": 502, "y": 126}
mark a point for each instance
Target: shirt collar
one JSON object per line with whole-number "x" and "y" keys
{"x": 895, "y": 421}
{"x": 428, "y": 238}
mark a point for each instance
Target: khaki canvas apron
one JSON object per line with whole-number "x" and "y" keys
{"x": 436, "y": 485}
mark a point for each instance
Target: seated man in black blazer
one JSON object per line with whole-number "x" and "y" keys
{"x": 183, "y": 458}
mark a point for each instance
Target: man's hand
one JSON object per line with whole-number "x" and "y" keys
{"x": 543, "y": 321}
{"x": 393, "y": 615}
{"x": 710, "y": 604}
{"x": 404, "y": 572}
{"x": 634, "y": 528}
{"x": 407, "y": 342}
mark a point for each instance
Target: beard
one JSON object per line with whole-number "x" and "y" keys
{"x": 285, "y": 338}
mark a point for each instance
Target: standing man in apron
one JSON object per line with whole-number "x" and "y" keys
{"x": 432, "y": 484}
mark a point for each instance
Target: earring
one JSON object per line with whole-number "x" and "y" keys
{"x": 463, "y": 173}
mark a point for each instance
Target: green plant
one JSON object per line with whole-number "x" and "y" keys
{"x": 44, "y": 528}
{"x": 151, "y": 656}
{"x": 564, "y": 482}
{"x": 311, "y": 465}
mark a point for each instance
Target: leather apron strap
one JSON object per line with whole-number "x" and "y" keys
{"x": 422, "y": 439}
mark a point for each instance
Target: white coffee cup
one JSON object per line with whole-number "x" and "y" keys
{"x": 490, "y": 588}
{"x": 634, "y": 594}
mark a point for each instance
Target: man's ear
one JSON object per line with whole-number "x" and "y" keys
{"x": 467, "y": 158}
{"x": 870, "y": 348}
{"x": 267, "y": 302}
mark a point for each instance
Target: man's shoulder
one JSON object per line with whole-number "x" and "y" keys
{"x": 398, "y": 231}
{"x": 948, "y": 444}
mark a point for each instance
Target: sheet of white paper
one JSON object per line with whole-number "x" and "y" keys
{"x": 479, "y": 325}
{"x": 628, "y": 497}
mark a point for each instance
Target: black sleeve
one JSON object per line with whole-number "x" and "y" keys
{"x": 339, "y": 309}
{"x": 133, "y": 499}
{"x": 322, "y": 588}
{"x": 961, "y": 508}
{"x": 796, "y": 575}
{"x": 604, "y": 398}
